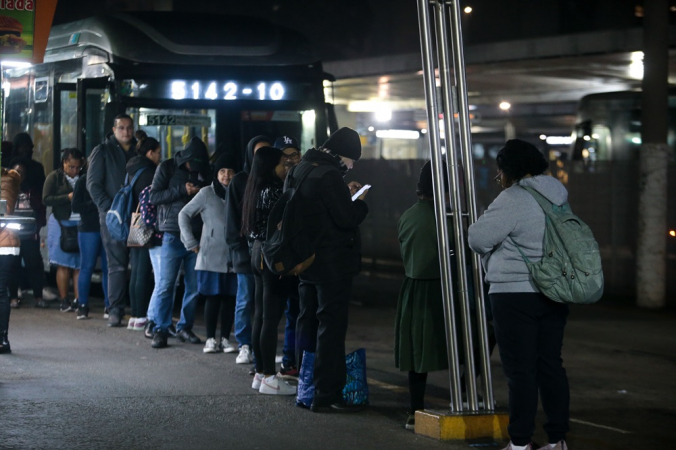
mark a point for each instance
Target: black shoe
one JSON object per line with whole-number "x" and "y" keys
{"x": 82, "y": 313}
{"x": 336, "y": 406}
{"x": 159, "y": 339}
{"x": 75, "y": 304}
{"x": 66, "y": 305}
{"x": 4, "y": 343}
{"x": 42, "y": 304}
{"x": 188, "y": 336}
{"x": 172, "y": 330}
{"x": 148, "y": 329}
{"x": 115, "y": 318}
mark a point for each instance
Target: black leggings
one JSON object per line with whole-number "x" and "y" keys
{"x": 271, "y": 294}
{"x": 226, "y": 305}
{"x": 140, "y": 287}
{"x": 34, "y": 269}
{"x": 417, "y": 382}
{"x": 7, "y": 264}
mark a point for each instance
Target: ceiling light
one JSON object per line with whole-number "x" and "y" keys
{"x": 505, "y": 106}
{"x": 468, "y": 9}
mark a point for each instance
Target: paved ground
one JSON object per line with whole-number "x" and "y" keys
{"x": 78, "y": 384}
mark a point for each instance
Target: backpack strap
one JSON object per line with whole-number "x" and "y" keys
{"x": 136, "y": 175}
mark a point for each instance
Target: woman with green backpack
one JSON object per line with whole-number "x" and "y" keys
{"x": 528, "y": 325}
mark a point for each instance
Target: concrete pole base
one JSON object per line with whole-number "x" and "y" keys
{"x": 447, "y": 426}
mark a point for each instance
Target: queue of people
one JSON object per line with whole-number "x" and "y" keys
{"x": 212, "y": 223}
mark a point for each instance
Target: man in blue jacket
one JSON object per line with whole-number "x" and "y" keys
{"x": 106, "y": 175}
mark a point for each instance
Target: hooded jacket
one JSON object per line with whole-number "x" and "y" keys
{"x": 239, "y": 249}
{"x": 332, "y": 220}
{"x": 144, "y": 180}
{"x": 514, "y": 216}
{"x": 168, "y": 191}
{"x": 107, "y": 170}
{"x": 85, "y": 207}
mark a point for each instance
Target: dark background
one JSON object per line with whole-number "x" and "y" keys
{"x": 348, "y": 29}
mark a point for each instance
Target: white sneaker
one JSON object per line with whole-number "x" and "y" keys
{"x": 211, "y": 346}
{"x": 274, "y": 386}
{"x": 258, "y": 379}
{"x": 132, "y": 321}
{"x": 19, "y": 294}
{"x": 279, "y": 359}
{"x": 244, "y": 356}
{"x": 49, "y": 295}
{"x": 227, "y": 346}
{"x": 140, "y": 323}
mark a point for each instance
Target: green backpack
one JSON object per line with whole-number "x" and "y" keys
{"x": 570, "y": 270}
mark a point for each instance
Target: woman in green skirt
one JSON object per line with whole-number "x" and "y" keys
{"x": 420, "y": 332}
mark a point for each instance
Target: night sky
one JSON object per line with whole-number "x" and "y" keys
{"x": 348, "y": 29}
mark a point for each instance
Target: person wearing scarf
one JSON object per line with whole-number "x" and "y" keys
{"x": 58, "y": 193}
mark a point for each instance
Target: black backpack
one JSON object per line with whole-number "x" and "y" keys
{"x": 287, "y": 249}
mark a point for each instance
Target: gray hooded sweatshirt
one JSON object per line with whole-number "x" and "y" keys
{"x": 514, "y": 216}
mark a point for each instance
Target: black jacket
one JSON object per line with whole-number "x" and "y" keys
{"x": 332, "y": 219}
{"x": 168, "y": 191}
{"x": 107, "y": 170}
{"x": 84, "y": 205}
{"x": 239, "y": 249}
{"x": 144, "y": 180}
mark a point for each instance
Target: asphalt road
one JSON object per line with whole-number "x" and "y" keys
{"x": 77, "y": 384}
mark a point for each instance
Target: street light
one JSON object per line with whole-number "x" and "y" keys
{"x": 505, "y": 106}
{"x": 468, "y": 10}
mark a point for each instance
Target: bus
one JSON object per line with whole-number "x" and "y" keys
{"x": 224, "y": 79}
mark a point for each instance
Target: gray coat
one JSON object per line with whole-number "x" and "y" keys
{"x": 213, "y": 253}
{"x": 107, "y": 171}
{"x": 514, "y": 216}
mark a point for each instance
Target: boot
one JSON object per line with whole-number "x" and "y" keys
{"x": 4, "y": 343}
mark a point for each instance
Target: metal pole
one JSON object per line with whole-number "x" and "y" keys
{"x": 456, "y": 205}
{"x": 466, "y": 147}
{"x": 439, "y": 201}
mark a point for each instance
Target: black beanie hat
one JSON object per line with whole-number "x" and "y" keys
{"x": 225, "y": 161}
{"x": 425, "y": 186}
{"x": 345, "y": 142}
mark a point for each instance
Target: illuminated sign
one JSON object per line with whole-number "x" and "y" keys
{"x": 225, "y": 90}
{"x": 181, "y": 120}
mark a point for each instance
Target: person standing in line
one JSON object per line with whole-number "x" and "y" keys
{"x": 29, "y": 204}
{"x": 177, "y": 180}
{"x": 215, "y": 278}
{"x": 290, "y": 147}
{"x": 239, "y": 252}
{"x": 148, "y": 156}
{"x": 332, "y": 220}
{"x": 529, "y": 327}
{"x": 91, "y": 248}
{"x": 105, "y": 177}
{"x": 263, "y": 189}
{"x": 10, "y": 247}
{"x": 58, "y": 193}
{"x": 32, "y": 184}
{"x": 420, "y": 330}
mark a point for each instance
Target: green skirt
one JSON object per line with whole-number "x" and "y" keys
{"x": 420, "y": 332}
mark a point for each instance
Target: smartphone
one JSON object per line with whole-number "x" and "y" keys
{"x": 363, "y": 189}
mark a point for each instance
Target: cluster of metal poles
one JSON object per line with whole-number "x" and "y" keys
{"x": 441, "y": 48}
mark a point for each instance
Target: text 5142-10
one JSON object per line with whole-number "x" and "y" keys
{"x": 226, "y": 91}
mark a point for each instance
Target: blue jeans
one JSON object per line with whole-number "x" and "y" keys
{"x": 155, "y": 258}
{"x": 91, "y": 248}
{"x": 244, "y": 308}
{"x": 289, "y": 350}
{"x": 174, "y": 253}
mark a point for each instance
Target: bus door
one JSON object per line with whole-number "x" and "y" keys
{"x": 65, "y": 122}
{"x": 95, "y": 113}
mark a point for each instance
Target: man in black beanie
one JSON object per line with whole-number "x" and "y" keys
{"x": 332, "y": 221}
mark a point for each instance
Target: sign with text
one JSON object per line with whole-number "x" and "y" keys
{"x": 179, "y": 120}
{"x": 17, "y": 29}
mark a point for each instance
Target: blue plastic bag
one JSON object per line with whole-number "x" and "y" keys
{"x": 356, "y": 390}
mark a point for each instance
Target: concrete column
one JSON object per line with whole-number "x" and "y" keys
{"x": 651, "y": 254}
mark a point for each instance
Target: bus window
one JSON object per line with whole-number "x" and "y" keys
{"x": 173, "y": 128}
{"x": 68, "y": 125}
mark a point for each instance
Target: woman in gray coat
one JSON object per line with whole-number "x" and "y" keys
{"x": 215, "y": 277}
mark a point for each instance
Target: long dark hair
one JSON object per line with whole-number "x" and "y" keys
{"x": 144, "y": 143}
{"x": 261, "y": 176}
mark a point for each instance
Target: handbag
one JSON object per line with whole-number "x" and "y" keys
{"x": 68, "y": 240}
{"x": 139, "y": 235}
{"x": 356, "y": 390}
